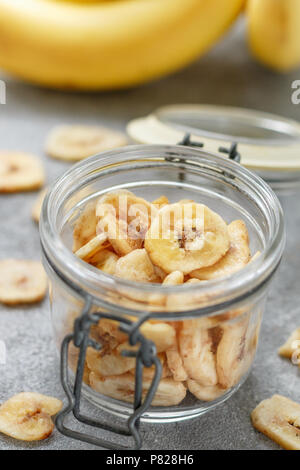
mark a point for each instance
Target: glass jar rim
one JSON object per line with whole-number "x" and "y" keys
{"x": 86, "y": 278}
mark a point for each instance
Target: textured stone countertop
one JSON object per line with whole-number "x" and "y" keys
{"x": 226, "y": 76}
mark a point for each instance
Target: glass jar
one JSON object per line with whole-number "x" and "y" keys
{"x": 205, "y": 333}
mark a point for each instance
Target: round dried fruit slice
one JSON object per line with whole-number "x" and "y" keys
{"x": 76, "y": 142}
{"x": 236, "y": 257}
{"x": 204, "y": 393}
{"x": 125, "y": 218}
{"x": 196, "y": 349}
{"x": 121, "y": 387}
{"x": 27, "y": 416}
{"x": 22, "y": 281}
{"x": 186, "y": 237}
{"x": 20, "y": 172}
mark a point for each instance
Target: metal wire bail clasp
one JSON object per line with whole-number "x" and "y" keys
{"x": 145, "y": 355}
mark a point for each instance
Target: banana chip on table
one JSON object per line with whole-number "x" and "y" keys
{"x": 291, "y": 346}
{"x": 20, "y": 172}
{"x": 236, "y": 257}
{"x": 22, "y": 281}
{"x": 76, "y": 142}
{"x": 121, "y": 387}
{"x": 27, "y": 416}
{"x": 279, "y": 419}
{"x": 185, "y": 237}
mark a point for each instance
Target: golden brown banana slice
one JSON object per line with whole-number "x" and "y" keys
{"x": 136, "y": 266}
{"x": 162, "y": 334}
{"x": 161, "y": 202}
{"x": 204, "y": 393}
{"x": 20, "y": 172}
{"x": 292, "y": 346}
{"x": 279, "y": 419}
{"x": 75, "y": 142}
{"x": 236, "y": 257}
{"x": 174, "y": 279}
{"x": 85, "y": 226}
{"x": 192, "y": 280}
{"x": 195, "y": 347}
{"x": 108, "y": 330}
{"x": 175, "y": 364}
{"x": 27, "y": 416}
{"x": 185, "y": 237}
{"x": 22, "y": 281}
{"x": 125, "y": 218}
{"x": 232, "y": 354}
{"x": 109, "y": 364}
{"x": 148, "y": 372}
{"x": 105, "y": 260}
{"x": 37, "y": 207}
{"x": 169, "y": 392}
{"x": 86, "y": 252}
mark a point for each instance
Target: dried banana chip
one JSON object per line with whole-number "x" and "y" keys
{"x": 76, "y": 142}
{"x": 236, "y": 257}
{"x": 86, "y": 252}
{"x": 122, "y": 388}
{"x": 27, "y": 416}
{"x": 204, "y": 393}
{"x": 186, "y": 237}
{"x": 148, "y": 372}
{"x": 105, "y": 260}
{"x": 85, "y": 226}
{"x": 279, "y": 419}
{"x": 108, "y": 330}
{"x": 174, "y": 279}
{"x": 160, "y": 202}
{"x": 20, "y": 172}
{"x": 195, "y": 345}
{"x": 37, "y": 207}
{"x": 126, "y": 219}
{"x": 232, "y": 354}
{"x": 109, "y": 364}
{"x": 162, "y": 334}
{"x": 22, "y": 281}
{"x": 136, "y": 266}
{"x": 175, "y": 364}
{"x": 292, "y": 346}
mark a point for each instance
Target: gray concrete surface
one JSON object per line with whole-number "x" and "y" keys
{"x": 226, "y": 76}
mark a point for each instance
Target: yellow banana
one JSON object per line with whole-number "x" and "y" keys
{"x": 274, "y": 32}
{"x": 111, "y": 44}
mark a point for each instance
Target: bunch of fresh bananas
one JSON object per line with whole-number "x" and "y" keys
{"x": 102, "y": 44}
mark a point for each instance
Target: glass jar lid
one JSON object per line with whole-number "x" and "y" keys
{"x": 268, "y": 144}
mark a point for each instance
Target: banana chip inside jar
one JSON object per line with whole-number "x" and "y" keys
{"x": 186, "y": 237}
